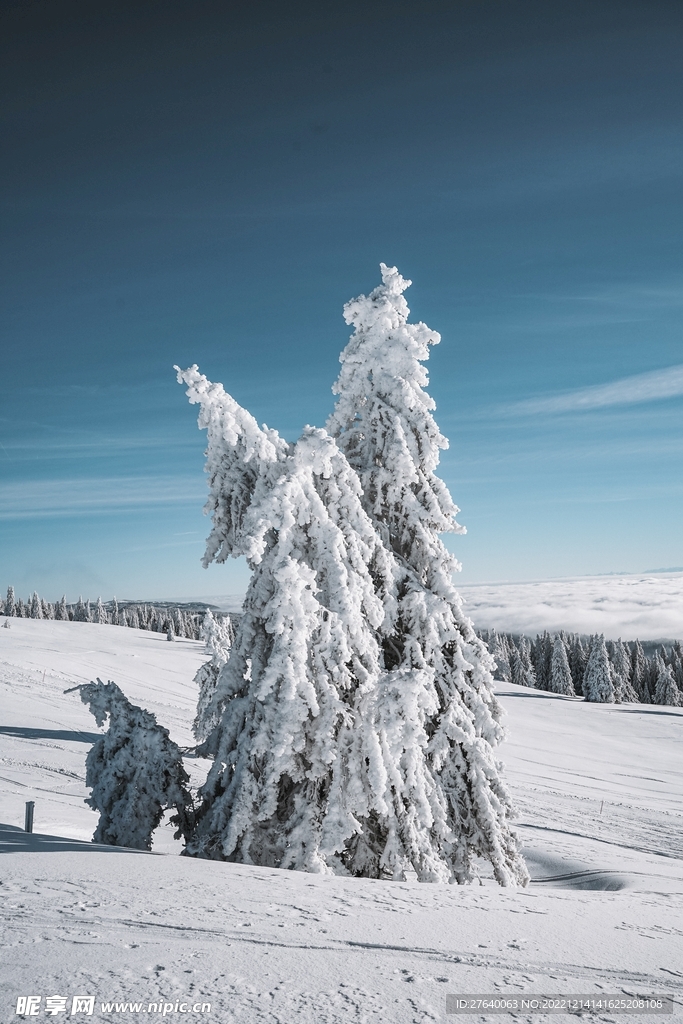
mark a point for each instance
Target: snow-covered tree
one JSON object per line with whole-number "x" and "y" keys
{"x": 135, "y": 771}
{"x": 577, "y": 663}
{"x": 666, "y": 691}
{"x": 560, "y": 680}
{"x": 10, "y": 603}
{"x": 218, "y": 637}
{"x": 500, "y": 652}
{"x": 597, "y": 682}
{"x": 383, "y": 423}
{"x": 290, "y": 785}
{"x": 621, "y": 664}
{"x": 330, "y": 752}
{"x": 521, "y": 667}
{"x": 36, "y": 606}
{"x": 542, "y": 652}
{"x": 100, "y": 612}
{"x": 115, "y": 617}
{"x": 61, "y": 611}
{"x": 639, "y": 672}
{"x": 81, "y": 611}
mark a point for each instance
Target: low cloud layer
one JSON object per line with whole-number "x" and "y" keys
{"x": 643, "y": 387}
{"x": 645, "y": 606}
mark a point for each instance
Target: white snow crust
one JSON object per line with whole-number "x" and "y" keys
{"x": 598, "y": 788}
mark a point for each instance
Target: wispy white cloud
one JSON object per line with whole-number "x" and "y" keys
{"x": 52, "y": 498}
{"x": 642, "y": 387}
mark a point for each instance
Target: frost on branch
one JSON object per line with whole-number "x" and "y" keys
{"x": 135, "y": 771}
{"x": 357, "y": 720}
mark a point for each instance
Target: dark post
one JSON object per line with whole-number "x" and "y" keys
{"x": 28, "y": 819}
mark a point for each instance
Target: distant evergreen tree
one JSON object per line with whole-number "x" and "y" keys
{"x": 88, "y": 611}
{"x": 36, "y": 606}
{"x": 21, "y": 610}
{"x": 48, "y": 610}
{"x": 560, "y": 675}
{"x": 133, "y": 618}
{"x": 577, "y": 663}
{"x": 677, "y": 664}
{"x": 170, "y": 632}
{"x": 101, "y": 613}
{"x": 597, "y": 682}
{"x": 521, "y": 668}
{"x": 81, "y": 611}
{"x": 218, "y": 636}
{"x": 115, "y": 616}
{"x": 666, "y": 691}
{"x": 639, "y": 671}
{"x": 10, "y": 603}
{"x": 623, "y": 670}
{"x": 61, "y": 611}
{"x": 542, "y": 652}
{"x": 499, "y": 651}
{"x": 135, "y": 771}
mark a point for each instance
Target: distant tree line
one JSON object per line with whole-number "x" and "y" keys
{"x": 173, "y": 621}
{"x": 599, "y": 671}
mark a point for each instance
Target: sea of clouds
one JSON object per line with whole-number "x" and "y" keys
{"x": 648, "y": 606}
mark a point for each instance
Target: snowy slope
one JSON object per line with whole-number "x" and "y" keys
{"x": 599, "y": 792}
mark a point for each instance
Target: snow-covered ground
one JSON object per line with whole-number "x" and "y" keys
{"x": 648, "y": 606}
{"x": 599, "y": 792}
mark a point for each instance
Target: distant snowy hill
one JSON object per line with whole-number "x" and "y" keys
{"x": 646, "y": 605}
{"x": 599, "y": 790}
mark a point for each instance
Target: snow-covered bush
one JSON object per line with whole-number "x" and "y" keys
{"x": 135, "y": 771}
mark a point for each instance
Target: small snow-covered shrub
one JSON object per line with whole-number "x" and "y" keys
{"x": 135, "y": 771}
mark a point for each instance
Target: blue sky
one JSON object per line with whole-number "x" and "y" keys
{"x": 209, "y": 183}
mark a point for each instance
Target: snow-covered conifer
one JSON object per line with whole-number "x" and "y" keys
{"x": 597, "y": 682}
{"x": 323, "y": 757}
{"x": 666, "y": 691}
{"x": 81, "y": 611}
{"x": 500, "y": 652}
{"x": 115, "y": 620}
{"x": 621, "y": 664}
{"x": 383, "y": 423}
{"x": 170, "y": 632}
{"x": 36, "y": 606}
{"x": 10, "y": 603}
{"x": 560, "y": 680}
{"x": 639, "y": 671}
{"x": 135, "y": 771}
{"x": 521, "y": 666}
{"x": 218, "y": 637}
{"x": 542, "y": 652}
{"x": 48, "y": 609}
{"x": 577, "y": 663}
{"x": 100, "y": 612}
{"x": 61, "y": 611}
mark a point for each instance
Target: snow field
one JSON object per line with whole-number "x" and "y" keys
{"x": 599, "y": 792}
